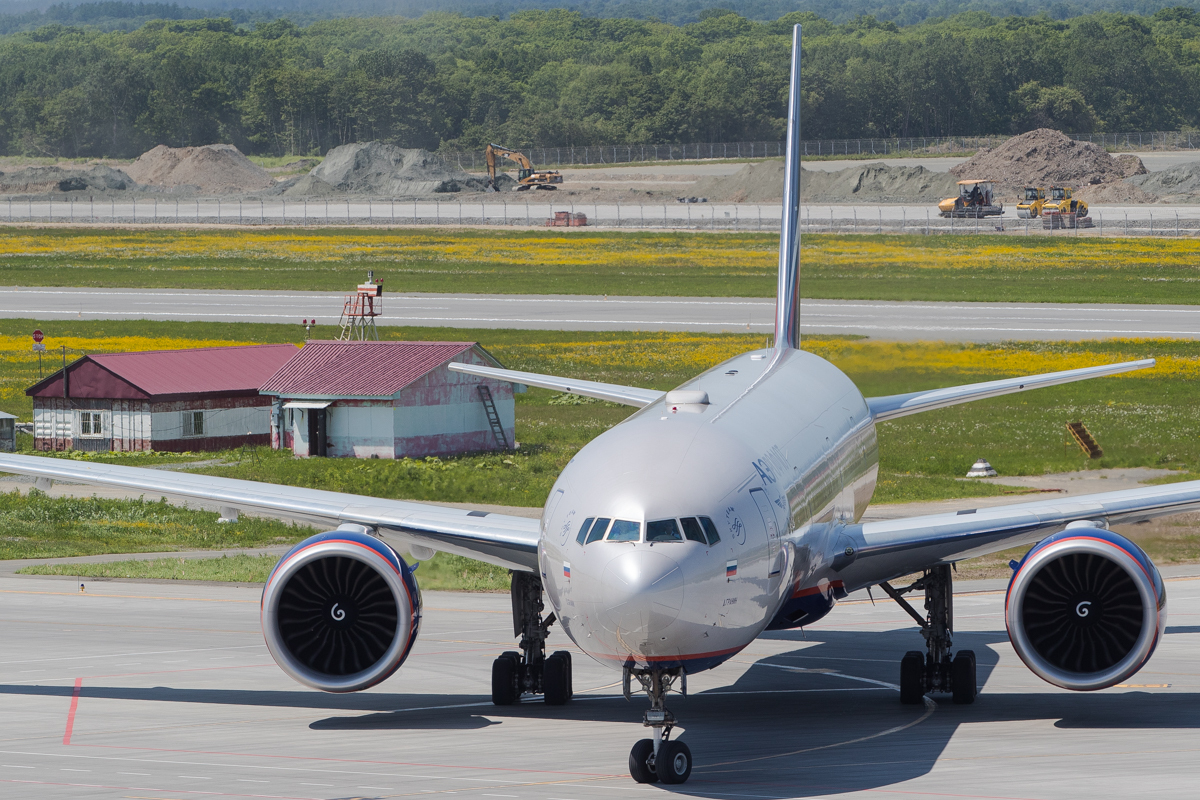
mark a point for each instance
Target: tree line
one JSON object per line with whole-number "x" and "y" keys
{"x": 557, "y": 78}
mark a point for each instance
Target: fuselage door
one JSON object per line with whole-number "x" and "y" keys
{"x": 767, "y": 510}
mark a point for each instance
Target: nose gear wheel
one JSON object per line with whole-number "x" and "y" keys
{"x": 659, "y": 759}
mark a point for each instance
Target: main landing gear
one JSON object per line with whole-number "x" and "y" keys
{"x": 531, "y": 671}
{"x": 658, "y": 759}
{"x": 934, "y": 670}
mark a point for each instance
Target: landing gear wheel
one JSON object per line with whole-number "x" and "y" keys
{"x": 962, "y": 677}
{"x": 504, "y": 680}
{"x": 912, "y": 678}
{"x": 674, "y": 762}
{"x": 556, "y": 679}
{"x": 639, "y": 770}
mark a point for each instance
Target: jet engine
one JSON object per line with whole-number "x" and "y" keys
{"x": 340, "y": 611}
{"x": 1085, "y": 608}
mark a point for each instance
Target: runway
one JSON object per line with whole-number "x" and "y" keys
{"x": 165, "y": 691}
{"x": 965, "y": 322}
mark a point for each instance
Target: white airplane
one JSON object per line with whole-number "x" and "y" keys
{"x": 721, "y": 509}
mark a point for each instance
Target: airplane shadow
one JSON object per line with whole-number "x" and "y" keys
{"x": 808, "y": 721}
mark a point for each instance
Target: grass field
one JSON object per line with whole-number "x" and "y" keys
{"x": 443, "y": 572}
{"x": 1140, "y": 419}
{"x": 888, "y": 267}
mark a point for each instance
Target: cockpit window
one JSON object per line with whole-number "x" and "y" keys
{"x": 663, "y": 530}
{"x": 598, "y": 529}
{"x": 584, "y": 528}
{"x": 710, "y": 530}
{"x": 693, "y": 531}
{"x": 624, "y": 531}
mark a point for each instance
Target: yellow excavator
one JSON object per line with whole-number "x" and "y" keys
{"x": 1032, "y": 200}
{"x": 1062, "y": 202}
{"x": 527, "y": 177}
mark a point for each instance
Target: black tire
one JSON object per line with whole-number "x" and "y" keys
{"x": 674, "y": 762}
{"x": 962, "y": 677}
{"x": 639, "y": 770}
{"x": 912, "y": 678}
{"x": 504, "y": 680}
{"x": 565, "y": 655}
{"x": 556, "y": 686}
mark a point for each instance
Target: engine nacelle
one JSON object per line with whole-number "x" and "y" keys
{"x": 340, "y": 611}
{"x": 1085, "y": 608}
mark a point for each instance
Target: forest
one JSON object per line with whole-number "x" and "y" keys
{"x": 559, "y": 78}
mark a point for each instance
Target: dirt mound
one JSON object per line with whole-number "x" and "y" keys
{"x": 866, "y": 183}
{"x": 1042, "y": 158}
{"x": 382, "y": 169}
{"x": 49, "y": 180}
{"x": 213, "y": 169}
{"x": 1175, "y": 185}
{"x": 1131, "y": 164}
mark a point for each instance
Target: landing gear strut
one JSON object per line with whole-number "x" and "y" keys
{"x": 658, "y": 759}
{"x": 531, "y": 671}
{"x": 934, "y": 670}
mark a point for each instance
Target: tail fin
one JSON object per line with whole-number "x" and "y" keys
{"x": 787, "y": 303}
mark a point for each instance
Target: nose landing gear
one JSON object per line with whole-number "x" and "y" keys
{"x": 660, "y": 758}
{"x": 531, "y": 671}
{"x": 934, "y": 670}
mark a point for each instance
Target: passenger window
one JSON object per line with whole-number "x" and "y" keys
{"x": 624, "y": 531}
{"x": 693, "y": 531}
{"x": 584, "y": 528}
{"x": 598, "y": 529}
{"x": 710, "y": 530}
{"x": 664, "y": 530}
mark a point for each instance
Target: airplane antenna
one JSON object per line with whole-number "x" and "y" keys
{"x": 787, "y": 303}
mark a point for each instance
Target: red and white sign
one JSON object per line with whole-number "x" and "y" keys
{"x": 37, "y": 336}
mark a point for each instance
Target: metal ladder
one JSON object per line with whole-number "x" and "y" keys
{"x": 489, "y": 405}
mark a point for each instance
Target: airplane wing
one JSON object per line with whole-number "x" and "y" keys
{"x": 901, "y": 405}
{"x": 506, "y": 541}
{"x": 888, "y": 549}
{"x": 626, "y": 395}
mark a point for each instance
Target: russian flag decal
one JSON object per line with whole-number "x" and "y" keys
{"x": 730, "y": 569}
{"x": 566, "y": 569}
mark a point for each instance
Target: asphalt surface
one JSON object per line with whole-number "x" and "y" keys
{"x": 965, "y": 322}
{"x": 155, "y": 691}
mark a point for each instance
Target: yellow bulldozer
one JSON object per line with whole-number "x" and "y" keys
{"x": 1062, "y": 202}
{"x": 527, "y": 176}
{"x": 1033, "y": 198}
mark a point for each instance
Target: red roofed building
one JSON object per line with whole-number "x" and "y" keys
{"x": 201, "y": 399}
{"x": 370, "y": 399}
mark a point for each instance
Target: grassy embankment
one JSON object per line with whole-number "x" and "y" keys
{"x": 867, "y": 267}
{"x": 1141, "y": 419}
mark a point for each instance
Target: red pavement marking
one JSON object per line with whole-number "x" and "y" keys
{"x": 71, "y": 713}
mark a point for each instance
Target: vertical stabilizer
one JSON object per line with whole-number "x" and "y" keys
{"x": 787, "y": 303}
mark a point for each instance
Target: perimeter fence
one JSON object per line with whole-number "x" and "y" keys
{"x": 738, "y": 217}
{"x": 593, "y": 155}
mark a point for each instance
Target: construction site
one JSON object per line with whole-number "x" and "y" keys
{"x": 1038, "y": 179}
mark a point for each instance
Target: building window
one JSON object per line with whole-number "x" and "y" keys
{"x": 91, "y": 423}
{"x": 193, "y": 423}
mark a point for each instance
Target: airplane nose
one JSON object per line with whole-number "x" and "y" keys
{"x": 642, "y": 593}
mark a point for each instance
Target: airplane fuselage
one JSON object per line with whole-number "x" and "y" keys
{"x": 675, "y": 538}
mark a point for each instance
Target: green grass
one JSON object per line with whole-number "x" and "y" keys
{"x": 38, "y": 526}
{"x": 989, "y": 268}
{"x": 444, "y": 572}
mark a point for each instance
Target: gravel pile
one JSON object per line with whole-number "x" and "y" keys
{"x": 211, "y": 169}
{"x": 384, "y": 170}
{"x": 56, "y": 180}
{"x": 1175, "y": 185}
{"x": 862, "y": 183}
